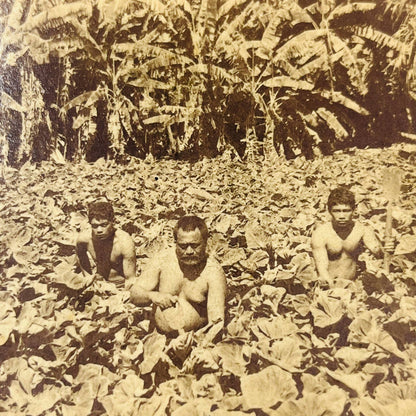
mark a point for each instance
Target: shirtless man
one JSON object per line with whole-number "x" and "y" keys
{"x": 186, "y": 286}
{"x": 337, "y": 244}
{"x": 112, "y": 250}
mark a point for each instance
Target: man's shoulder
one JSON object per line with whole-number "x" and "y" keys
{"x": 124, "y": 239}
{"x": 164, "y": 257}
{"x": 322, "y": 229}
{"x": 84, "y": 237}
{"x": 123, "y": 235}
{"x": 214, "y": 266}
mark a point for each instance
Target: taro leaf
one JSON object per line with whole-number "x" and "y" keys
{"x": 231, "y": 358}
{"x": 199, "y": 193}
{"x": 233, "y": 256}
{"x": 181, "y": 346}
{"x": 155, "y": 406}
{"x": 327, "y": 311}
{"x": 11, "y": 366}
{"x": 224, "y": 223}
{"x": 153, "y": 346}
{"x": 208, "y": 334}
{"x": 130, "y": 387}
{"x": 43, "y": 401}
{"x": 97, "y": 376}
{"x": 257, "y": 260}
{"x": 300, "y": 303}
{"x": 217, "y": 245}
{"x": 18, "y": 395}
{"x": 27, "y": 379}
{"x": 388, "y": 393}
{"x": 330, "y": 403}
{"x": 223, "y": 412}
{"x": 370, "y": 407}
{"x": 202, "y": 360}
{"x": 352, "y": 359}
{"x": 356, "y": 384}
{"x": 272, "y": 296}
{"x": 255, "y": 235}
{"x": 26, "y": 255}
{"x": 83, "y": 400}
{"x": 317, "y": 384}
{"x": 408, "y": 308}
{"x": 267, "y": 387}
{"x": 207, "y": 386}
{"x": 196, "y": 407}
{"x": 407, "y": 245}
{"x": 120, "y": 406}
{"x": 286, "y": 353}
{"x": 131, "y": 353}
{"x": 271, "y": 292}
{"x": 305, "y": 270}
{"x": 365, "y": 329}
{"x": 19, "y": 238}
{"x": 238, "y": 327}
{"x": 278, "y": 327}
{"x": 7, "y": 322}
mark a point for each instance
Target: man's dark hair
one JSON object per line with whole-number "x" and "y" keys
{"x": 100, "y": 210}
{"x": 341, "y": 196}
{"x": 191, "y": 223}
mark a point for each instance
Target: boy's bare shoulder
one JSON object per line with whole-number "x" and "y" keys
{"x": 83, "y": 236}
{"x": 322, "y": 229}
{"x": 124, "y": 238}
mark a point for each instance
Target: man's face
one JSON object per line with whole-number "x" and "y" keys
{"x": 190, "y": 247}
{"x": 341, "y": 215}
{"x": 101, "y": 228}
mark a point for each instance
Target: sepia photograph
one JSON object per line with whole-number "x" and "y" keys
{"x": 207, "y": 207}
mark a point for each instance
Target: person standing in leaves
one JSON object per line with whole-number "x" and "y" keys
{"x": 111, "y": 249}
{"x": 337, "y": 244}
{"x": 185, "y": 285}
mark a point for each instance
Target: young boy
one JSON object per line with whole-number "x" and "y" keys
{"x": 111, "y": 249}
{"x": 337, "y": 244}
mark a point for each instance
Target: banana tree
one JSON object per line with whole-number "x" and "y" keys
{"x": 310, "y": 74}
{"x": 209, "y": 70}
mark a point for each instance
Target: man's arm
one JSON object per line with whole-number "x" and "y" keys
{"x": 371, "y": 241}
{"x": 82, "y": 254}
{"x": 320, "y": 254}
{"x": 217, "y": 289}
{"x": 144, "y": 290}
{"x": 129, "y": 261}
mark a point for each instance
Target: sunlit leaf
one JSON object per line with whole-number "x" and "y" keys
{"x": 267, "y": 387}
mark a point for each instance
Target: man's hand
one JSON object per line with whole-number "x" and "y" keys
{"x": 390, "y": 244}
{"x": 163, "y": 300}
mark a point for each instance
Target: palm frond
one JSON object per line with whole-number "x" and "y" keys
{"x": 291, "y": 13}
{"x": 215, "y": 71}
{"x": 380, "y": 38}
{"x": 87, "y": 98}
{"x": 288, "y": 82}
{"x": 332, "y": 121}
{"x": 58, "y": 14}
{"x": 338, "y": 97}
{"x": 164, "y": 61}
{"x": 347, "y": 9}
{"x": 10, "y": 103}
{"x": 226, "y": 7}
{"x": 306, "y": 44}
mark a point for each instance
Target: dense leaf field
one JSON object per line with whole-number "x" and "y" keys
{"x": 290, "y": 346}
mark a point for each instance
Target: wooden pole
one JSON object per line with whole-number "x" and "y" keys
{"x": 391, "y": 188}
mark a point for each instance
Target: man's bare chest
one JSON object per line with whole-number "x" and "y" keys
{"x": 105, "y": 253}
{"x": 349, "y": 245}
{"x": 176, "y": 283}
